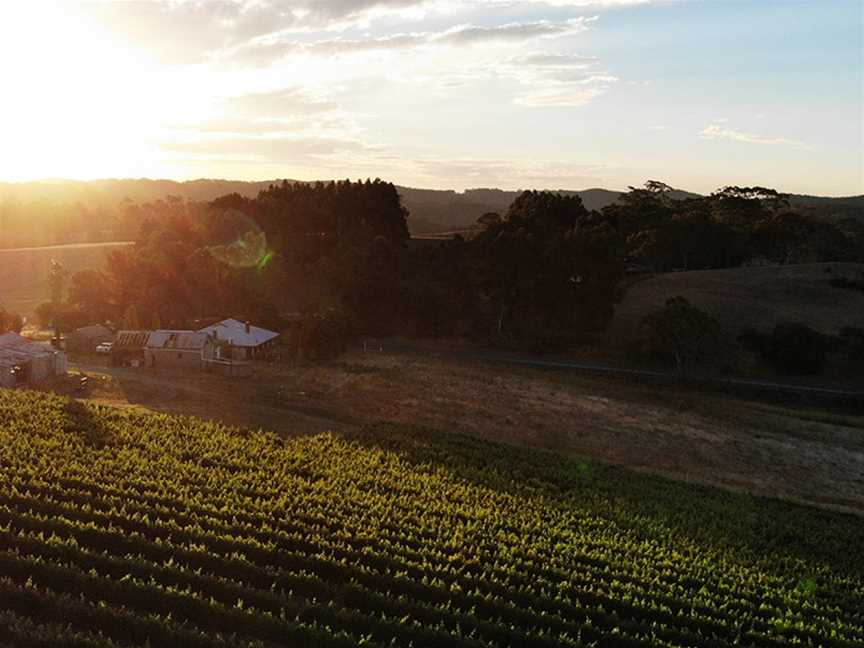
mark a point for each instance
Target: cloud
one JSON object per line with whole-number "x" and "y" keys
{"x": 263, "y": 52}
{"x": 276, "y": 113}
{"x": 278, "y": 103}
{"x": 282, "y": 149}
{"x": 193, "y": 31}
{"x": 719, "y": 131}
{"x": 563, "y": 80}
{"x": 510, "y": 173}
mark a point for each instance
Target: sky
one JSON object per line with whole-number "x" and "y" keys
{"x": 515, "y": 94}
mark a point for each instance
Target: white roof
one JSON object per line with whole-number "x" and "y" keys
{"x": 15, "y": 349}
{"x": 234, "y": 331}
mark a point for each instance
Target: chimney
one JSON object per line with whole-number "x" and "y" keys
{"x": 248, "y": 327}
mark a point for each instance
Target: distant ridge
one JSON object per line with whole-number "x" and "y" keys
{"x": 431, "y": 210}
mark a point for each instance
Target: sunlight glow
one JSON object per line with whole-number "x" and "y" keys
{"x": 77, "y": 102}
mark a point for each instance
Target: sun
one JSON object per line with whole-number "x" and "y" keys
{"x": 76, "y": 102}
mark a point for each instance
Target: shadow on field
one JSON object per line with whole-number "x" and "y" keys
{"x": 81, "y": 421}
{"x": 646, "y": 506}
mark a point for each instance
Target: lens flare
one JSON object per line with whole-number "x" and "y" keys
{"x": 249, "y": 246}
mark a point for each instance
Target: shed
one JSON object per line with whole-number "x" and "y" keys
{"x": 87, "y": 338}
{"x": 247, "y": 342}
{"x": 176, "y": 349}
{"x": 25, "y": 362}
{"x": 128, "y": 349}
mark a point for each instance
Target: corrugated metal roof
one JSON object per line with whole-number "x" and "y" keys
{"x": 15, "y": 349}
{"x": 234, "y": 331}
{"x": 189, "y": 340}
{"x": 130, "y": 339}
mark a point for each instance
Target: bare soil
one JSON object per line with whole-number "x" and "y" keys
{"x": 805, "y": 456}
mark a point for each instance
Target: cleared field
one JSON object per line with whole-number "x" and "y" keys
{"x": 125, "y": 528}
{"x": 24, "y": 271}
{"x": 757, "y": 297}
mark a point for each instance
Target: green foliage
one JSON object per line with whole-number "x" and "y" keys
{"x": 726, "y": 229}
{"x": 685, "y": 338}
{"x": 124, "y": 528}
{"x": 294, "y": 247}
{"x": 550, "y": 267}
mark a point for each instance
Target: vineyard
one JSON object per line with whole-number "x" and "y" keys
{"x": 122, "y": 528}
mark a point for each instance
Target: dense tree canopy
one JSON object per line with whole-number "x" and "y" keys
{"x": 731, "y": 226}
{"x": 545, "y": 273}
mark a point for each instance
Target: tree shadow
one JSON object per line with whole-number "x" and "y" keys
{"x": 81, "y": 421}
{"x": 750, "y": 528}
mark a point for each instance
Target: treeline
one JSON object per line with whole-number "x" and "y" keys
{"x": 731, "y": 227}
{"x": 544, "y": 274}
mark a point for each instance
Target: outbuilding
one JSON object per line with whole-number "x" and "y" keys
{"x": 176, "y": 349}
{"x": 128, "y": 348}
{"x": 25, "y": 362}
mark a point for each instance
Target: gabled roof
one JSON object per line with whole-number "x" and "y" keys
{"x": 234, "y": 331}
{"x": 182, "y": 340}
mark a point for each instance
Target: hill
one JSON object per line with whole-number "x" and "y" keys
{"x": 123, "y": 528}
{"x": 430, "y": 210}
{"x": 751, "y": 297}
{"x": 24, "y": 271}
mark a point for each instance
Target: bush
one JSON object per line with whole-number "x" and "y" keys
{"x": 848, "y": 284}
{"x": 791, "y": 347}
{"x": 327, "y": 334}
{"x": 850, "y": 349}
{"x": 685, "y": 338}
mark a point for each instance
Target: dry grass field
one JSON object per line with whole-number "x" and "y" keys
{"x": 805, "y": 456}
{"x": 757, "y": 297}
{"x": 24, "y": 271}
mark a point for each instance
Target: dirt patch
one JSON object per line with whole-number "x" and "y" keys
{"x": 804, "y": 456}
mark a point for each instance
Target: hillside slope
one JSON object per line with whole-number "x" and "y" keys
{"x": 24, "y": 271}
{"x": 757, "y": 297}
{"x": 122, "y": 528}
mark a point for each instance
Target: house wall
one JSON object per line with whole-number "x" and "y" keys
{"x": 41, "y": 367}
{"x": 173, "y": 358}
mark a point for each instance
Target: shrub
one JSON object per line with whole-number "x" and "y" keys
{"x": 791, "y": 347}
{"x": 685, "y": 338}
{"x": 327, "y": 334}
{"x": 848, "y": 284}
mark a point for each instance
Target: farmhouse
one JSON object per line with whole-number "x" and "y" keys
{"x": 87, "y": 338}
{"x": 246, "y": 342}
{"x": 176, "y": 349}
{"x": 24, "y": 362}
